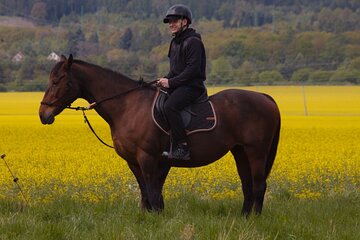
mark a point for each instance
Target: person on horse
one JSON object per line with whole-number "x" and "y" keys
{"x": 185, "y": 80}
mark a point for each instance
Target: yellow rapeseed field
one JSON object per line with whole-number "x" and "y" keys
{"x": 318, "y": 156}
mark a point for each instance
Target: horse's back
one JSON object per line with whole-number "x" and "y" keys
{"x": 246, "y": 113}
{"x": 244, "y": 99}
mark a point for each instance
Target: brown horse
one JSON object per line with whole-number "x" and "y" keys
{"x": 248, "y": 125}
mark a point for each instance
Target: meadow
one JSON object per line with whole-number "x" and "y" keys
{"x": 76, "y": 188}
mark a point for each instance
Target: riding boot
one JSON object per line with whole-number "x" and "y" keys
{"x": 181, "y": 152}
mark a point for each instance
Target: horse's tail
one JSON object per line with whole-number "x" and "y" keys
{"x": 273, "y": 150}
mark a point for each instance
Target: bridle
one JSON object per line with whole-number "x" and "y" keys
{"x": 96, "y": 103}
{"x": 65, "y": 95}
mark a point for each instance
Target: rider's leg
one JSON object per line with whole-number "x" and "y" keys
{"x": 180, "y": 98}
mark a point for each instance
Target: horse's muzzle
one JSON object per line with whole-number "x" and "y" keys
{"x": 46, "y": 118}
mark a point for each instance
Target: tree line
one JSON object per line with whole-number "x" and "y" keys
{"x": 343, "y": 15}
{"x": 247, "y": 42}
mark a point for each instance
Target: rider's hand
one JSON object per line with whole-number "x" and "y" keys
{"x": 163, "y": 82}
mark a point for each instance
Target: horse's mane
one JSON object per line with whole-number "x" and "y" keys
{"x": 116, "y": 75}
{"x": 111, "y": 74}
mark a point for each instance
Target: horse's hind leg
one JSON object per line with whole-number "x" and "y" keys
{"x": 244, "y": 170}
{"x": 163, "y": 172}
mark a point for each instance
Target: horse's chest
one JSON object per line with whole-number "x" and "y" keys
{"x": 124, "y": 152}
{"x": 124, "y": 146}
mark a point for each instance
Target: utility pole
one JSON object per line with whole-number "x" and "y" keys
{"x": 305, "y": 102}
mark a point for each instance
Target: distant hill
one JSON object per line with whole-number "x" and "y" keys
{"x": 233, "y": 13}
{"x": 247, "y": 42}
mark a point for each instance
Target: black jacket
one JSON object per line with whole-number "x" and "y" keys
{"x": 187, "y": 60}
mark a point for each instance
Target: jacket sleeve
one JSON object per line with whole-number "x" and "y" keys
{"x": 192, "y": 54}
{"x": 169, "y": 75}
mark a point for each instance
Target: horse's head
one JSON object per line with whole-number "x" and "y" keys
{"x": 62, "y": 90}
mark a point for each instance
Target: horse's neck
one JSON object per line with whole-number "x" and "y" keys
{"x": 98, "y": 84}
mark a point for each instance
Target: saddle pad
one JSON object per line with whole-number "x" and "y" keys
{"x": 198, "y": 117}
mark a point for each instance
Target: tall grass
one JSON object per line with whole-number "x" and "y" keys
{"x": 185, "y": 217}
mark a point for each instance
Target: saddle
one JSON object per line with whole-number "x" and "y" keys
{"x": 198, "y": 117}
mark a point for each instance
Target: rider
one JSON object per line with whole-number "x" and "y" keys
{"x": 185, "y": 80}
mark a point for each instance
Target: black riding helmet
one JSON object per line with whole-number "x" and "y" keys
{"x": 178, "y": 11}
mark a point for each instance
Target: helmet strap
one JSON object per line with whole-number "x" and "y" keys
{"x": 183, "y": 28}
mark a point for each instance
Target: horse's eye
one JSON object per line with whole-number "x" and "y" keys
{"x": 57, "y": 80}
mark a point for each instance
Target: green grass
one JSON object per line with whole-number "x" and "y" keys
{"x": 186, "y": 217}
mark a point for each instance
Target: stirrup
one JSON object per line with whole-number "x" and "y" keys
{"x": 165, "y": 154}
{"x": 181, "y": 152}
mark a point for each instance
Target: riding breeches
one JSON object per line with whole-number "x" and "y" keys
{"x": 179, "y": 98}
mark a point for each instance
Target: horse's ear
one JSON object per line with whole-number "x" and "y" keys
{"x": 69, "y": 61}
{"x": 62, "y": 58}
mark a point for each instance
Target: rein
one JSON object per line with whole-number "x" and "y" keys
{"x": 96, "y": 103}
{"x": 142, "y": 84}
{"x": 86, "y": 120}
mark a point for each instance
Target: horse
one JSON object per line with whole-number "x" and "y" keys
{"x": 248, "y": 125}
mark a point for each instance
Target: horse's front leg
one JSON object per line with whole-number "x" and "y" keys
{"x": 155, "y": 173}
{"x": 145, "y": 204}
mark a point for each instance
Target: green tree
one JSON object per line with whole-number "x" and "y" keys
{"x": 3, "y": 88}
{"x": 320, "y": 76}
{"x": 301, "y": 75}
{"x": 270, "y": 77}
{"x": 221, "y": 71}
{"x": 235, "y": 51}
{"x": 345, "y": 76}
{"x": 246, "y": 74}
{"x": 94, "y": 38}
{"x": 150, "y": 38}
{"x": 224, "y": 13}
{"x": 351, "y": 51}
{"x": 74, "y": 39}
{"x": 162, "y": 68}
{"x": 126, "y": 39}
{"x": 139, "y": 8}
{"x": 39, "y": 12}
{"x": 146, "y": 69}
{"x": 27, "y": 69}
{"x": 354, "y": 64}
{"x": 2, "y": 75}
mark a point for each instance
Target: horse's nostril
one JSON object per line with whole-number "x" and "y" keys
{"x": 42, "y": 118}
{"x": 46, "y": 119}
